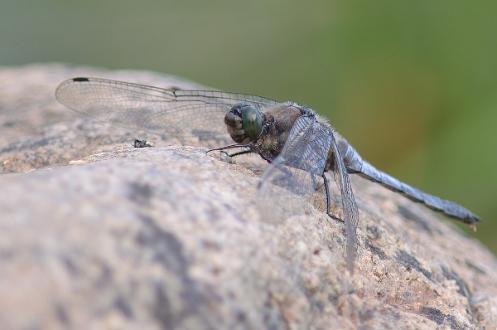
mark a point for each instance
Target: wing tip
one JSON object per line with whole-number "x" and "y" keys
{"x": 59, "y": 94}
{"x": 73, "y": 80}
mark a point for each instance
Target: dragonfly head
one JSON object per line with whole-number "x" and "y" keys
{"x": 245, "y": 122}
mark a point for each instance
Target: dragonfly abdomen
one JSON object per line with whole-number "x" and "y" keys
{"x": 355, "y": 164}
{"x": 449, "y": 208}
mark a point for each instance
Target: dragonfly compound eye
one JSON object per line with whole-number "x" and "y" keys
{"x": 251, "y": 121}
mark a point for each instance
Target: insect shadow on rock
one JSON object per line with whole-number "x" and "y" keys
{"x": 298, "y": 144}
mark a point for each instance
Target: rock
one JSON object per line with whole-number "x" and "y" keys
{"x": 98, "y": 234}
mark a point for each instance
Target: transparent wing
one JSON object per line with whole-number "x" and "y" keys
{"x": 287, "y": 185}
{"x": 349, "y": 206}
{"x": 290, "y": 181}
{"x": 166, "y": 111}
{"x": 307, "y": 145}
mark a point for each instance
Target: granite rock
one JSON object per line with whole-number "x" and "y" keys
{"x": 98, "y": 234}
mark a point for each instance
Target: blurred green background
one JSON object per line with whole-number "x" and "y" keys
{"x": 412, "y": 84}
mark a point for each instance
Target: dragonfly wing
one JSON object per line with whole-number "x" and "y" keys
{"x": 165, "y": 111}
{"x": 350, "y": 210}
{"x": 289, "y": 182}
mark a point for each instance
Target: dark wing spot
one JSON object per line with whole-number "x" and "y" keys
{"x": 80, "y": 79}
{"x": 174, "y": 89}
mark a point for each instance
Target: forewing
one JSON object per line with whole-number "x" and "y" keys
{"x": 350, "y": 210}
{"x": 290, "y": 180}
{"x": 166, "y": 111}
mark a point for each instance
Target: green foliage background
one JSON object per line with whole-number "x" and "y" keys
{"x": 412, "y": 84}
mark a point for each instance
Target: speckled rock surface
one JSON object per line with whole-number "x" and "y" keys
{"x": 97, "y": 234}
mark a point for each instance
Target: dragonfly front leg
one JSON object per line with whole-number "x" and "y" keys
{"x": 243, "y": 152}
{"x": 328, "y": 199}
{"x": 231, "y": 146}
{"x": 227, "y": 156}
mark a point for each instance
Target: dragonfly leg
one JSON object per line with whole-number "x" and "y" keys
{"x": 328, "y": 199}
{"x": 327, "y": 192}
{"x": 227, "y": 157}
{"x": 314, "y": 183}
{"x": 239, "y": 153}
{"x": 264, "y": 157}
{"x": 231, "y": 146}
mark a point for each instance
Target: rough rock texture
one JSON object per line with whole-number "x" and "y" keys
{"x": 97, "y": 234}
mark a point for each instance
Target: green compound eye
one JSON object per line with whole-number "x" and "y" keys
{"x": 251, "y": 121}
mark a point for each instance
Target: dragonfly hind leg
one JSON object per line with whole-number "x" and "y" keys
{"x": 328, "y": 199}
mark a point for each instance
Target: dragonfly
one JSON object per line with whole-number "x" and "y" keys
{"x": 299, "y": 145}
